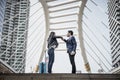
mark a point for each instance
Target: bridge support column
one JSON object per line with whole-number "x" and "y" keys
{"x": 80, "y": 31}
{"x": 45, "y": 8}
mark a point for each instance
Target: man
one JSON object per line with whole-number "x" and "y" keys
{"x": 71, "y": 49}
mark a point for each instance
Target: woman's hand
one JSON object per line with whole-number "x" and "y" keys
{"x": 62, "y": 38}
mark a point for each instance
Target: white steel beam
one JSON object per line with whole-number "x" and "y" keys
{"x": 45, "y": 8}
{"x": 62, "y": 28}
{"x": 64, "y": 22}
{"x": 80, "y": 30}
{"x": 72, "y": 1}
{"x": 71, "y": 7}
{"x": 65, "y": 15}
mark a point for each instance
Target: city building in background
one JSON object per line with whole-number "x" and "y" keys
{"x": 2, "y": 12}
{"x": 14, "y": 33}
{"x": 114, "y": 23}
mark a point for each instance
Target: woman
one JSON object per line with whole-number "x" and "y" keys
{"x": 52, "y": 44}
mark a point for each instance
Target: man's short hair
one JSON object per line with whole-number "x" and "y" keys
{"x": 71, "y": 32}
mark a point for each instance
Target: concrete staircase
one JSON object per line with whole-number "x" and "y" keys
{"x": 59, "y": 76}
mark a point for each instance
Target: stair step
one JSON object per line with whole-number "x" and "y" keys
{"x": 30, "y": 76}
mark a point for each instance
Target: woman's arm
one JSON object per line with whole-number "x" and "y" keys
{"x": 61, "y": 38}
{"x": 58, "y": 37}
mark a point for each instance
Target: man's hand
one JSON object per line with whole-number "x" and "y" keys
{"x": 72, "y": 53}
{"x": 63, "y": 39}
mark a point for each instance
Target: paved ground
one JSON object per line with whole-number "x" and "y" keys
{"x": 59, "y": 76}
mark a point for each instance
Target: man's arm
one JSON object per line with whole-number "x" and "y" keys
{"x": 61, "y": 38}
{"x": 64, "y": 40}
{"x": 74, "y": 44}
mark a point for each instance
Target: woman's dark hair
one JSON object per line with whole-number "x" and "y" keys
{"x": 52, "y": 34}
{"x": 71, "y": 32}
{"x": 52, "y": 40}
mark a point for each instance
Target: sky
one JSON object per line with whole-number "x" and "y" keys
{"x": 92, "y": 18}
